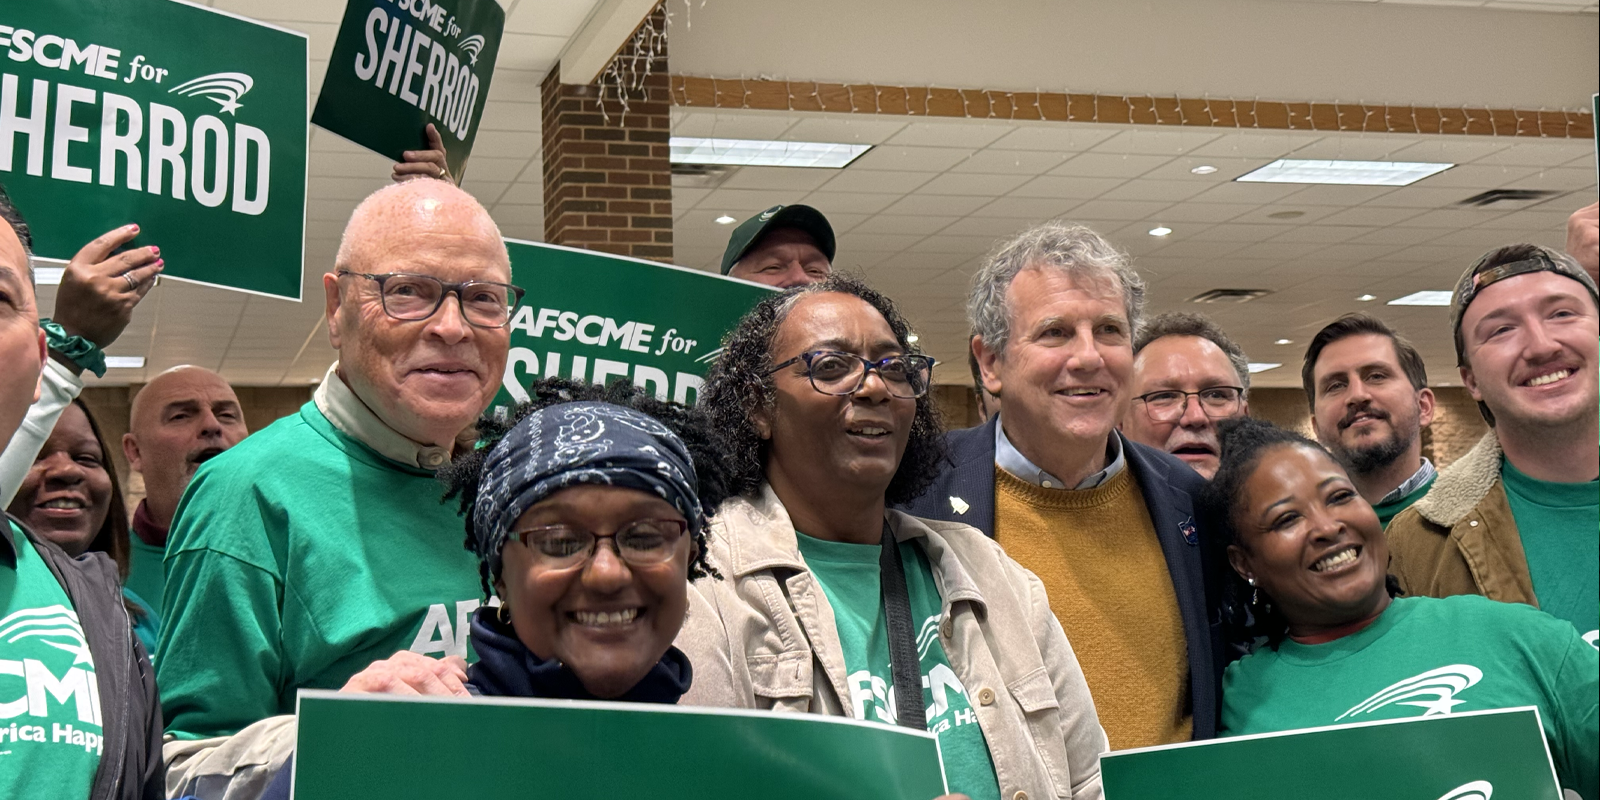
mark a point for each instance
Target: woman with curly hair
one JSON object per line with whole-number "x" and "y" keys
{"x": 832, "y": 602}
{"x": 1310, "y": 566}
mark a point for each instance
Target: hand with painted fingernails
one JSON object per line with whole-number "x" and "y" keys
{"x": 411, "y": 673}
{"x": 100, "y": 287}
{"x": 429, "y": 163}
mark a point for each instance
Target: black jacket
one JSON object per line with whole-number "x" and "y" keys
{"x": 1170, "y": 489}
{"x": 130, "y": 710}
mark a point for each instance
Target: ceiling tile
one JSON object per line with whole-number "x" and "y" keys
{"x": 1166, "y": 191}
{"x": 1156, "y": 141}
{"x": 943, "y": 205}
{"x": 1262, "y": 147}
{"x": 1119, "y": 210}
{"x": 791, "y": 178}
{"x": 850, "y": 202}
{"x": 857, "y": 180}
{"x": 973, "y": 184}
{"x": 508, "y": 116}
{"x": 1054, "y": 137}
{"x": 896, "y": 223}
{"x": 1019, "y": 162}
{"x": 1066, "y": 188}
{"x": 844, "y": 128}
{"x": 919, "y": 159}
{"x": 1109, "y": 165}
{"x": 950, "y": 134}
{"x": 1035, "y": 208}
{"x": 731, "y": 125}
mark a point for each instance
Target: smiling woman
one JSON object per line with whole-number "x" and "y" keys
{"x": 1309, "y": 563}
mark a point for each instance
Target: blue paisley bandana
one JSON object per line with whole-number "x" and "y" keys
{"x": 574, "y": 444}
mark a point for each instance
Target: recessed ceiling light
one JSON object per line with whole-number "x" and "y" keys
{"x": 912, "y": 338}
{"x": 1367, "y": 298}
{"x": 1160, "y": 230}
{"x": 124, "y": 362}
{"x": 1344, "y": 173}
{"x": 1424, "y": 298}
{"x": 1283, "y": 341}
{"x": 1259, "y": 366}
{"x": 726, "y": 220}
{"x": 1204, "y": 169}
{"x": 764, "y": 153}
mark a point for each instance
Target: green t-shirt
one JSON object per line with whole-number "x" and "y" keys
{"x": 145, "y": 575}
{"x": 49, "y": 694}
{"x": 1461, "y": 653}
{"x": 1560, "y": 528}
{"x": 849, "y": 576}
{"x": 1392, "y": 509}
{"x": 296, "y": 559}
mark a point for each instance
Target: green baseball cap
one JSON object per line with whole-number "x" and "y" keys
{"x": 803, "y": 218}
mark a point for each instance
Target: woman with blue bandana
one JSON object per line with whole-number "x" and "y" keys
{"x": 589, "y": 520}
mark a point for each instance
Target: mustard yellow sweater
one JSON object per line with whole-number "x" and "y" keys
{"x": 1096, "y": 552}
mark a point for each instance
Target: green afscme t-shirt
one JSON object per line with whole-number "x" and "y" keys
{"x": 849, "y": 576}
{"x": 1426, "y": 657}
{"x": 1560, "y": 528}
{"x": 50, "y": 734}
{"x": 297, "y": 558}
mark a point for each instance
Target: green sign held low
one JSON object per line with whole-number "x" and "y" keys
{"x": 595, "y": 317}
{"x": 398, "y": 65}
{"x": 1477, "y": 755}
{"x": 354, "y": 746}
{"x": 187, "y": 121}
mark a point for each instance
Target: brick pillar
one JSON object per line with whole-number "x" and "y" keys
{"x": 608, "y": 182}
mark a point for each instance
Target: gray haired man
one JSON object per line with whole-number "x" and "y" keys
{"x": 1054, "y": 311}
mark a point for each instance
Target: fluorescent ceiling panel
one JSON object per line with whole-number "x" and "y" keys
{"x": 1259, "y": 366}
{"x": 1344, "y": 173}
{"x": 762, "y": 153}
{"x": 1424, "y": 298}
{"x": 124, "y": 362}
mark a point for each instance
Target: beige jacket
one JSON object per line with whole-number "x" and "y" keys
{"x": 771, "y": 644}
{"x": 1461, "y": 537}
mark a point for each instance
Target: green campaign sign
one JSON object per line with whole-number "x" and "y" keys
{"x": 596, "y": 317}
{"x": 1468, "y": 756}
{"x": 398, "y": 65}
{"x": 188, "y": 121}
{"x": 355, "y": 746}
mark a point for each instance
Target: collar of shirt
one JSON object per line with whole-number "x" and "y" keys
{"x": 1423, "y": 474}
{"x": 349, "y": 414}
{"x": 1010, "y": 459}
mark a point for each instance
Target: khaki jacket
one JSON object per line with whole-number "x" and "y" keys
{"x": 1461, "y": 537}
{"x": 770, "y": 643}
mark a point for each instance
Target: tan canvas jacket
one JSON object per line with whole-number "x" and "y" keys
{"x": 1461, "y": 537}
{"x": 770, "y": 643}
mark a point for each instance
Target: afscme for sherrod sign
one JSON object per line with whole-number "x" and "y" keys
{"x": 399, "y": 65}
{"x": 187, "y": 121}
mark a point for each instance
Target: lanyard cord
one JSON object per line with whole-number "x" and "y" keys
{"x": 903, "y": 659}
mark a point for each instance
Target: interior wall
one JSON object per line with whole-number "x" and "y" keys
{"x": 1271, "y": 49}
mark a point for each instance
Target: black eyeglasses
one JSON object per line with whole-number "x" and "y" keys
{"x": 641, "y": 543}
{"x": 1168, "y": 405}
{"x": 841, "y": 374}
{"x": 410, "y": 297}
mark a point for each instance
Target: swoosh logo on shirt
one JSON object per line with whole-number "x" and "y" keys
{"x": 1433, "y": 691}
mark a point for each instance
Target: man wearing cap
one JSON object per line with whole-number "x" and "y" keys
{"x": 1515, "y": 519}
{"x": 781, "y": 247}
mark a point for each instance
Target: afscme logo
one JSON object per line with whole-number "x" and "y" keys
{"x": 473, "y": 45}
{"x": 57, "y": 626}
{"x": 1476, "y": 790}
{"x": 1433, "y": 691}
{"x": 223, "y": 88}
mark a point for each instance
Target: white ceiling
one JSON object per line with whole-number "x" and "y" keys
{"x": 918, "y": 212}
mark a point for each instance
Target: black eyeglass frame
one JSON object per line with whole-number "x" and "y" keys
{"x": 446, "y": 288}
{"x": 521, "y": 535}
{"x": 1238, "y": 392}
{"x": 926, "y": 370}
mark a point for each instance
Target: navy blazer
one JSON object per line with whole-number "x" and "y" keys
{"x": 1170, "y": 488}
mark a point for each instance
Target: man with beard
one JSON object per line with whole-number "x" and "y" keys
{"x": 180, "y": 419}
{"x": 1187, "y": 376}
{"x": 1514, "y": 519}
{"x": 1370, "y": 401}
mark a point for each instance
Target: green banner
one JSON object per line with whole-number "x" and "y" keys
{"x": 596, "y": 317}
{"x": 1469, "y": 756}
{"x": 356, "y": 746}
{"x": 187, "y": 121}
{"x": 398, "y": 65}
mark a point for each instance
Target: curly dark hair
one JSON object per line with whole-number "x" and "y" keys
{"x": 464, "y": 472}
{"x": 1244, "y": 442}
{"x": 740, "y": 385}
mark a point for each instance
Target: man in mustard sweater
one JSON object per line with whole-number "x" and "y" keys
{"x": 1107, "y": 524}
